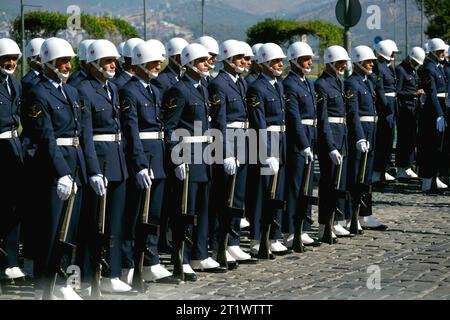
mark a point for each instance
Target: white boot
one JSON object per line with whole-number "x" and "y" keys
{"x": 208, "y": 263}
{"x": 339, "y": 230}
{"x": 127, "y": 275}
{"x": 66, "y": 293}
{"x": 306, "y": 239}
{"x": 369, "y": 221}
{"x": 321, "y": 232}
{"x": 187, "y": 269}
{"x": 14, "y": 273}
{"x": 440, "y": 184}
{"x": 254, "y": 247}
{"x": 237, "y": 253}
{"x": 244, "y": 223}
{"x": 388, "y": 177}
{"x": 289, "y": 240}
{"x": 114, "y": 285}
{"x": 277, "y": 246}
{"x": 406, "y": 173}
{"x": 349, "y": 223}
{"x": 155, "y": 272}
{"x": 426, "y": 184}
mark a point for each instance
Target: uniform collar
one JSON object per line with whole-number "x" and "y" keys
{"x": 271, "y": 81}
{"x": 234, "y": 78}
{"x": 194, "y": 83}
{"x": 53, "y": 82}
{"x": 145, "y": 84}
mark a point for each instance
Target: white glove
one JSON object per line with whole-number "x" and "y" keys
{"x": 273, "y": 164}
{"x": 362, "y": 146}
{"x": 143, "y": 179}
{"x": 440, "y": 124}
{"x": 180, "y": 171}
{"x": 97, "y": 183}
{"x": 230, "y": 166}
{"x": 336, "y": 157}
{"x": 307, "y": 153}
{"x": 64, "y": 187}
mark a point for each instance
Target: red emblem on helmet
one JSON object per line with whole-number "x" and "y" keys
{"x": 46, "y": 52}
{"x": 32, "y": 50}
{"x": 139, "y": 55}
{"x": 92, "y": 51}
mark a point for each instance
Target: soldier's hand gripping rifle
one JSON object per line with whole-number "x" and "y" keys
{"x": 143, "y": 229}
{"x": 269, "y": 220}
{"x": 61, "y": 247}
{"x": 225, "y": 225}
{"x": 337, "y": 194}
{"x": 361, "y": 189}
{"x": 180, "y": 230}
{"x": 302, "y": 208}
{"x": 101, "y": 244}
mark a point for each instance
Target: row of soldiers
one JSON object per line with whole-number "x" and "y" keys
{"x": 99, "y": 156}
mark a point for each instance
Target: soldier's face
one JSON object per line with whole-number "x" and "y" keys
{"x": 248, "y": 62}
{"x": 305, "y": 62}
{"x": 154, "y": 67}
{"x": 239, "y": 61}
{"x": 368, "y": 65}
{"x": 63, "y": 64}
{"x": 277, "y": 64}
{"x": 212, "y": 60}
{"x": 9, "y": 62}
{"x": 108, "y": 64}
{"x": 340, "y": 66}
{"x": 202, "y": 64}
{"x": 440, "y": 54}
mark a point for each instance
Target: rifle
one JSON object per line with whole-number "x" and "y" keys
{"x": 269, "y": 219}
{"x": 361, "y": 188}
{"x": 61, "y": 247}
{"x": 302, "y": 207}
{"x": 337, "y": 194}
{"x": 226, "y": 227}
{"x": 180, "y": 234}
{"x": 101, "y": 245}
{"x": 143, "y": 230}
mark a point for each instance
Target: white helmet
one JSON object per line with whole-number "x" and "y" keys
{"x": 418, "y": 55}
{"x": 101, "y": 49}
{"x": 192, "y": 52}
{"x": 209, "y": 43}
{"x": 33, "y": 47}
{"x": 175, "y": 46}
{"x": 157, "y": 45}
{"x": 334, "y": 54}
{"x": 129, "y": 45}
{"x": 426, "y": 47}
{"x": 270, "y": 51}
{"x": 393, "y": 45}
{"x": 299, "y": 49}
{"x": 248, "y": 50}
{"x": 255, "y": 49}
{"x": 54, "y": 48}
{"x": 9, "y": 47}
{"x": 146, "y": 52}
{"x": 385, "y": 49}
{"x": 436, "y": 44}
{"x": 230, "y": 48}
{"x": 362, "y": 53}
{"x": 120, "y": 50}
{"x": 82, "y": 49}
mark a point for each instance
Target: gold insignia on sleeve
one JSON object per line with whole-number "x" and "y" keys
{"x": 172, "y": 103}
{"x": 124, "y": 106}
{"x": 348, "y": 95}
{"x": 34, "y": 112}
{"x": 253, "y": 102}
{"x": 319, "y": 97}
{"x": 287, "y": 97}
{"x": 214, "y": 100}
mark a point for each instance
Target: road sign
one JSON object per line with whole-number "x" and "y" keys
{"x": 377, "y": 39}
{"x": 348, "y": 12}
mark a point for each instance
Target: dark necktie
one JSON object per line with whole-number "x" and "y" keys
{"x": 200, "y": 89}
{"x": 60, "y": 89}
{"x": 8, "y": 88}
{"x": 306, "y": 83}
{"x": 278, "y": 87}
{"x": 150, "y": 92}
{"x": 241, "y": 86}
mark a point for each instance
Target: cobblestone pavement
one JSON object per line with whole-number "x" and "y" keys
{"x": 413, "y": 257}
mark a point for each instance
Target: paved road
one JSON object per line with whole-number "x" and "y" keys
{"x": 411, "y": 259}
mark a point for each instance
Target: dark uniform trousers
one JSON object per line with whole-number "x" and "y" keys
{"x": 227, "y": 99}
{"x": 103, "y": 111}
{"x": 430, "y": 153}
{"x": 385, "y": 80}
{"x": 408, "y": 105}
{"x": 331, "y": 136}
{"x": 11, "y": 170}
{"x": 183, "y": 105}
{"x": 141, "y": 111}
{"x": 56, "y": 116}
{"x": 360, "y": 97}
{"x": 300, "y": 105}
{"x": 266, "y": 108}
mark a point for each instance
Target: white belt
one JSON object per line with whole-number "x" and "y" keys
{"x": 238, "y": 125}
{"x": 9, "y": 134}
{"x": 368, "y": 119}
{"x": 151, "y": 135}
{"x": 108, "y": 137}
{"x": 281, "y": 128}
{"x": 442, "y": 95}
{"x": 197, "y": 139}
{"x": 309, "y": 122}
{"x": 337, "y": 120}
{"x": 390, "y": 94}
{"x": 73, "y": 142}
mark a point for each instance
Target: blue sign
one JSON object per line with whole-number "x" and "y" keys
{"x": 377, "y": 39}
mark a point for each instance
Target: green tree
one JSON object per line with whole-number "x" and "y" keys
{"x": 438, "y": 14}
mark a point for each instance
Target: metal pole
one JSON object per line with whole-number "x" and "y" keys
{"x": 347, "y": 39}
{"x": 203, "y": 17}
{"x": 406, "y": 28}
{"x": 145, "y": 20}
{"x": 22, "y": 34}
{"x": 421, "y": 22}
{"x": 395, "y": 21}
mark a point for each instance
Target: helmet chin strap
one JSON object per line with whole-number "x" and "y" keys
{"x": 237, "y": 69}
{"x": 210, "y": 66}
{"x": 276, "y": 73}
{"x": 62, "y": 76}
{"x": 106, "y": 74}
{"x": 364, "y": 69}
{"x": 7, "y": 72}
{"x": 304, "y": 70}
{"x": 439, "y": 59}
{"x": 150, "y": 75}
{"x": 200, "y": 73}
{"x": 333, "y": 66}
